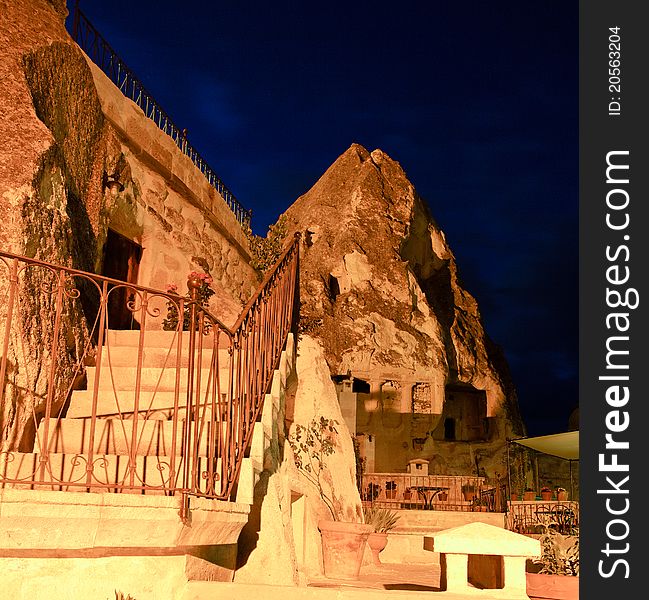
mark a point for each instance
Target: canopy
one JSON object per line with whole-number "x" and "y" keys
{"x": 563, "y": 445}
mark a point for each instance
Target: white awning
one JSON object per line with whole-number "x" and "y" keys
{"x": 563, "y": 445}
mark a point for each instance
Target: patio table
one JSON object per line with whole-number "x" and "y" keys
{"x": 428, "y": 493}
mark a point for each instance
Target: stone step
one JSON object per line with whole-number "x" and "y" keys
{"x": 127, "y": 356}
{"x": 152, "y": 378}
{"x": 156, "y": 338}
{"x": 151, "y": 404}
{"x": 114, "y": 436}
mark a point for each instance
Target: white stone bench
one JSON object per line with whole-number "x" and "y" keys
{"x": 483, "y": 560}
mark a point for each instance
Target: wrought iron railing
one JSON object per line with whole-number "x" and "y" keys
{"x": 103, "y": 55}
{"x": 535, "y": 517}
{"x": 182, "y": 425}
{"x": 433, "y": 492}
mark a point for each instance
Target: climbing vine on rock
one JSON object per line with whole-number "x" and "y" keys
{"x": 267, "y": 250}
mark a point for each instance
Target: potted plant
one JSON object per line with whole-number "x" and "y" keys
{"x": 373, "y": 491}
{"x": 546, "y": 493}
{"x": 343, "y": 543}
{"x": 469, "y": 491}
{"x": 558, "y": 575}
{"x": 562, "y": 494}
{"x": 479, "y": 504}
{"x": 529, "y": 494}
{"x": 382, "y": 520}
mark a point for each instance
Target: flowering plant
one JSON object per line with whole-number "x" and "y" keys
{"x": 311, "y": 445}
{"x": 203, "y": 295}
{"x": 560, "y": 489}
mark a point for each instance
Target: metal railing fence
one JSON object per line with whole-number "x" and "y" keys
{"x": 183, "y": 425}
{"x": 534, "y": 517}
{"x": 103, "y": 55}
{"x": 433, "y": 492}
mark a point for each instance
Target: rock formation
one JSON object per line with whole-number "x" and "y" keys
{"x": 380, "y": 290}
{"x": 281, "y": 543}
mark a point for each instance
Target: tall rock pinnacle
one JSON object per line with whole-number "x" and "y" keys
{"x": 380, "y": 290}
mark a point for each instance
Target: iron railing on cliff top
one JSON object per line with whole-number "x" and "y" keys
{"x": 183, "y": 426}
{"x": 103, "y": 55}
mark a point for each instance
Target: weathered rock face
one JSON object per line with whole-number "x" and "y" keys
{"x": 52, "y": 131}
{"x": 281, "y": 543}
{"x": 64, "y": 127}
{"x": 380, "y": 290}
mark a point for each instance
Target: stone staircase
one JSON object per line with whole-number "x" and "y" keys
{"x": 137, "y": 446}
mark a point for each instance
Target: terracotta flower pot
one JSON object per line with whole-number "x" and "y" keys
{"x": 528, "y": 496}
{"x": 468, "y": 494}
{"x": 557, "y": 587}
{"x": 343, "y": 545}
{"x": 546, "y": 495}
{"x": 377, "y": 542}
{"x": 562, "y": 496}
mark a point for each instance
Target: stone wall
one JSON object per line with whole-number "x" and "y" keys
{"x": 169, "y": 208}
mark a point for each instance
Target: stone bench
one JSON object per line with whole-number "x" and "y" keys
{"x": 483, "y": 560}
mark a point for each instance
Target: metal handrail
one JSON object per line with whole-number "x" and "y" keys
{"x": 211, "y": 406}
{"x": 432, "y": 492}
{"x": 103, "y": 55}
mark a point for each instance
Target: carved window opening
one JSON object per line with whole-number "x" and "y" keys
{"x": 360, "y": 387}
{"x": 449, "y": 428}
{"x": 334, "y": 288}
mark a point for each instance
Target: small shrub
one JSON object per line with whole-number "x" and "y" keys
{"x": 382, "y": 519}
{"x": 311, "y": 444}
{"x": 267, "y": 250}
{"x": 559, "y": 553}
{"x": 204, "y": 293}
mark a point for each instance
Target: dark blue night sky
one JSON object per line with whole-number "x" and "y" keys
{"x": 477, "y": 101}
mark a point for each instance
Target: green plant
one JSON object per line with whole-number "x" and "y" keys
{"x": 482, "y": 503}
{"x": 266, "y": 250}
{"x": 559, "y": 553}
{"x": 203, "y": 295}
{"x": 311, "y": 444}
{"x": 382, "y": 519}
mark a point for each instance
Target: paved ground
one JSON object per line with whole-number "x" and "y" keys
{"x": 389, "y": 577}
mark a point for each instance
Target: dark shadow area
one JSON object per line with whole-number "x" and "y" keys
{"x": 411, "y": 586}
{"x": 249, "y": 535}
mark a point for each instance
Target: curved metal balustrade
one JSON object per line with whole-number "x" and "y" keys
{"x": 103, "y": 55}
{"x": 182, "y": 425}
